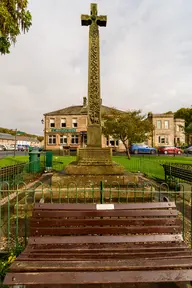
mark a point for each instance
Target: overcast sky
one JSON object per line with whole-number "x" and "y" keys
{"x": 146, "y": 59}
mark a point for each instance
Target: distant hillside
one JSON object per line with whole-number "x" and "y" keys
{"x": 12, "y": 132}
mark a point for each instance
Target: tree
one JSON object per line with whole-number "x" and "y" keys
{"x": 40, "y": 138}
{"x": 129, "y": 127}
{"x": 184, "y": 113}
{"x": 14, "y": 19}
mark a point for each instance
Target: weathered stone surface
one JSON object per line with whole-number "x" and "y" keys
{"x": 86, "y": 180}
{"x": 113, "y": 169}
{"x": 94, "y": 156}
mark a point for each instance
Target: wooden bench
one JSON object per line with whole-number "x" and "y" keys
{"x": 177, "y": 171}
{"x": 103, "y": 244}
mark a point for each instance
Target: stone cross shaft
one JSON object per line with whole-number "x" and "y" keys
{"x": 94, "y": 131}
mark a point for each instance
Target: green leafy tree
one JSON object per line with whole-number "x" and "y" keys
{"x": 14, "y": 19}
{"x": 184, "y": 113}
{"x": 40, "y": 138}
{"x": 129, "y": 127}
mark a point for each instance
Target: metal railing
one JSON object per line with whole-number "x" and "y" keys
{"x": 20, "y": 172}
{"x": 16, "y": 205}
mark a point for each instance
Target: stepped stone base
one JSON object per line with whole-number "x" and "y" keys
{"x": 94, "y": 161}
{"x": 70, "y": 181}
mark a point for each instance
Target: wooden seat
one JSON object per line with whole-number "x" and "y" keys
{"x": 103, "y": 244}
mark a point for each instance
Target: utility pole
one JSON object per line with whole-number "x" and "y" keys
{"x": 15, "y": 141}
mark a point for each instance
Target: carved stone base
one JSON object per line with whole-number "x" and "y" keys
{"x": 75, "y": 169}
{"x": 94, "y": 156}
{"x": 94, "y": 161}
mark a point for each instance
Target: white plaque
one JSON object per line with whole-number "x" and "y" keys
{"x": 105, "y": 206}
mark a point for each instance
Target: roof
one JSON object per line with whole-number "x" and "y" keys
{"x": 77, "y": 110}
{"x": 6, "y": 136}
{"x": 163, "y": 115}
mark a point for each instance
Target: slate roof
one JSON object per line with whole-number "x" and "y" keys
{"x": 6, "y": 136}
{"x": 77, "y": 110}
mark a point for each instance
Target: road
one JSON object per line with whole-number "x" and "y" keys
{"x": 4, "y": 154}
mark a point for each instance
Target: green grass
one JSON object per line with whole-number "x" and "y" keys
{"x": 149, "y": 165}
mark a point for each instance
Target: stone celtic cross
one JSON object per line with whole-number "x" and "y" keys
{"x": 94, "y": 97}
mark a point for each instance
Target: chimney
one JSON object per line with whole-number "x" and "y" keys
{"x": 84, "y": 101}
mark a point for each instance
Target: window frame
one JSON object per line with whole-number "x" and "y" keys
{"x": 53, "y": 137}
{"x": 63, "y": 121}
{"x": 166, "y": 126}
{"x": 62, "y": 137}
{"x": 75, "y": 139}
{"x": 160, "y": 122}
{"x": 52, "y": 124}
{"x": 74, "y": 123}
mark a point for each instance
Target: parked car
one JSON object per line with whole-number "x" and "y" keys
{"x": 142, "y": 149}
{"x": 12, "y": 147}
{"x": 2, "y": 148}
{"x": 21, "y": 148}
{"x": 169, "y": 150}
{"x": 188, "y": 150}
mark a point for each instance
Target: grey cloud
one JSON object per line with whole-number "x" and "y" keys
{"x": 145, "y": 59}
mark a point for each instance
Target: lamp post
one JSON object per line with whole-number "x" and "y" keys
{"x": 44, "y": 122}
{"x": 15, "y": 141}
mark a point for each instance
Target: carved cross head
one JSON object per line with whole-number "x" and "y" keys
{"x": 87, "y": 20}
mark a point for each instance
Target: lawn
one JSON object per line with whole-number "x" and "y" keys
{"x": 149, "y": 165}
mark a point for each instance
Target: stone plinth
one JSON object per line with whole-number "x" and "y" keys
{"x": 94, "y": 161}
{"x": 94, "y": 156}
{"x": 71, "y": 181}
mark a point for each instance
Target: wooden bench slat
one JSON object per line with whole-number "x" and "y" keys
{"x": 104, "y": 230}
{"x": 30, "y": 249}
{"x": 106, "y": 277}
{"x": 114, "y": 246}
{"x": 136, "y": 264}
{"x": 79, "y": 207}
{"x": 49, "y": 222}
{"x": 105, "y": 239}
{"x": 86, "y": 256}
{"x": 104, "y": 213}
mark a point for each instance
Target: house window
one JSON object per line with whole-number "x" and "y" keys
{"x": 52, "y": 123}
{"x": 63, "y": 139}
{"x": 107, "y": 141}
{"x": 74, "y": 139}
{"x": 117, "y": 142}
{"x": 63, "y": 122}
{"x": 74, "y": 123}
{"x": 163, "y": 140}
{"x": 52, "y": 139}
{"x": 166, "y": 124}
{"x": 158, "y": 124}
{"x": 112, "y": 142}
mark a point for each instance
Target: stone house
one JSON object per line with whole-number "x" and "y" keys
{"x": 167, "y": 130}
{"x": 27, "y": 141}
{"x": 7, "y": 139}
{"x": 67, "y": 128}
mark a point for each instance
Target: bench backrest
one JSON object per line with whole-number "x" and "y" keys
{"x": 102, "y": 219}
